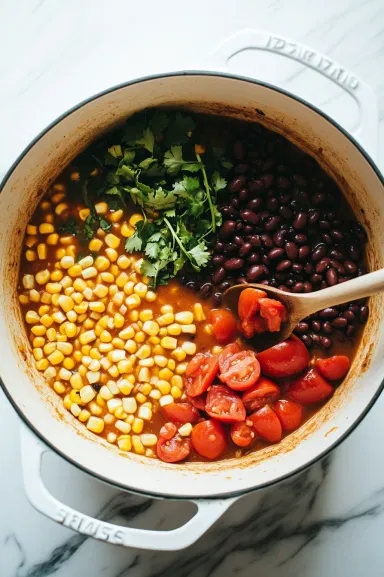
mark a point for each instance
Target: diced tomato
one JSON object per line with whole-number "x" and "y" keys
{"x": 334, "y": 368}
{"x": 290, "y": 414}
{"x": 224, "y": 405}
{"x": 309, "y": 388}
{"x": 198, "y": 402}
{"x": 241, "y": 434}
{"x": 209, "y": 439}
{"x": 200, "y": 373}
{"x": 266, "y": 424}
{"x": 173, "y": 450}
{"x": 265, "y": 392}
{"x": 226, "y": 353}
{"x": 168, "y": 431}
{"x": 180, "y": 413}
{"x": 273, "y": 312}
{"x": 285, "y": 359}
{"x": 241, "y": 371}
{"x": 248, "y": 309}
{"x": 223, "y": 323}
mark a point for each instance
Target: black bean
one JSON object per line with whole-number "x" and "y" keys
{"x": 227, "y": 229}
{"x": 291, "y": 250}
{"x": 349, "y": 315}
{"x": 301, "y": 327}
{"x": 337, "y": 235}
{"x": 283, "y": 182}
{"x": 229, "y": 212}
{"x": 256, "y": 186}
{"x": 238, "y": 240}
{"x": 206, "y": 290}
{"x": 239, "y": 226}
{"x": 253, "y": 258}
{"x": 354, "y": 308}
{"x": 327, "y": 328}
{"x": 217, "y": 259}
{"x": 276, "y": 253}
{"x": 324, "y": 225}
{"x": 225, "y": 285}
{"x": 285, "y": 212}
{"x": 300, "y": 221}
{"x": 350, "y": 267}
{"x": 272, "y": 204}
{"x": 290, "y": 282}
{"x": 255, "y": 272}
{"x": 332, "y": 276}
{"x": 316, "y": 278}
{"x": 216, "y": 299}
{"x": 300, "y": 180}
{"x": 245, "y": 249}
{"x": 284, "y": 265}
{"x": 243, "y": 195}
{"x": 307, "y": 287}
{"x": 339, "y": 323}
{"x": 354, "y": 253}
{"x": 248, "y": 216}
{"x": 272, "y": 223}
{"x": 307, "y": 340}
{"x": 256, "y": 204}
{"x": 191, "y": 285}
{"x": 284, "y": 288}
{"x": 266, "y": 240}
{"x": 325, "y": 342}
{"x": 236, "y": 184}
{"x": 219, "y": 275}
{"x": 318, "y": 198}
{"x": 323, "y": 284}
{"x": 313, "y": 216}
{"x": 363, "y": 316}
{"x": 285, "y": 199}
{"x": 241, "y": 280}
{"x": 229, "y": 247}
{"x": 327, "y": 238}
{"x": 308, "y": 268}
{"x": 298, "y": 287}
{"x": 329, "y": 313}
{"x": 268, "y": 180}
{"x": 234, "y": 264}
{"x": 316, "y": 338}
{"x": 337, "y": 254}
{"x": 248, "y": 229}
{"x": 278, "y": 238}
{"x": 304, "y": 251}
{"x": 319, "y": 252}
{"x": 235, "y": 202}
{"x": 239, "y": 150}
{"x": 297, "y": 268}
{"x": 254, "y": 239}
{"x": 265, "y": 259}
{"x": 338, "y": 266}
{"x": 322, "y": 265}
{"x": 300, "y": 238}
{"x": 218, "y": 247}
{"x": 316, "y": 326}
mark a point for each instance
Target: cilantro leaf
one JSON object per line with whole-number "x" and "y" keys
{"x": 133, "y": 243}
{"x": 104, "y": 224}
{"x": 179, "y": 129}
{"x": 200, "y": 254}
{"x": 148, "y": 140}
{"x": 134, "y": 128}
{"x": 159, "y": 122}
{"x": 69, "y": 227}
{"x": 174, "y": 161}
{"x": 218, "y": 182}
{"x": 115, "y": 151}
{"x": 189, "y": 184}
{"x": 152, "y": 250}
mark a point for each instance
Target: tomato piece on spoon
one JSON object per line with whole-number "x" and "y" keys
{"x": 290, "y": 414}
{"x": 266, "y": 424}
{"x": 248, "y": 308}
{"x": 285, "y": 359}
{"x": 200, "y": 373}
{"x": 274, "y": 312}
{"x": 309, "y": 388}
{"x": 241, "y": 371}
{"x": 209, "y": 439}
{"x": 224, "y": 405}
{"x": 223, "y": 323}
{"x": 334, "y": 368}
{"x": 265, "y": 392}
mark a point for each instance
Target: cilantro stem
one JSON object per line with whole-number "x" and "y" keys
{"x": 176, "y": 238}
{"x": 207, "y": 188}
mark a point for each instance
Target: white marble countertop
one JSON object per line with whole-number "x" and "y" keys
{"x": 329, "y": 520}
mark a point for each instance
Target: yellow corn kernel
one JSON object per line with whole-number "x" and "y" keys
{"x": 38, "y": 330}
{"x": 189, "y": 348}
{"x": 181, "y": 368}
{"x": 93, "y": 377}
{"x": 94, "y": 354}
{"x": 160, "y": 360}
{"x": 30, "y": 241}
{"x": 80, "y": 309}
{"x": 101, "y": 207}
{"x": 72, "y": 316}
{"x": 46, "y": 228}
{"x": 198, "y": 312}
{"x": 125, "y": 387}
{"x": 42, "y": 277}
{"x": 57, "y": 197}
{"x": 118, "y": 320}
{"x": 42, "y": 251}
{"x": 38, "y": 353}
{"x": 60, "y": 253}
{"x": 124, "y": 442}
{"x": 188, "y": 329}
{"x": 165, "y": 374}
{"x": 143, "y": 375}
{"x": 185, "y": 430}
{"x": 140, "y": 289}
{"x": 65, "y": 348}
{"x": 169, "y": 343}
{"x": 89, "y": 272}
{"x": 111, "y": 254}
{"x": 174, "y": 329}
{"x": 123, "y": 262}
{"x": 61, "y": 338}
{"x": 124, "y": 366}
{"x": 65, "y": 374}
{"x": 57, "y": 276}
{"x": 58, "y": 387}
{"x": 116, "y": 216}
{"x": 105, "y": 337}
{"x": 75, "y": 410}
{"x": 184, "y": 317}
{"x": 166, "y": 309}
{"x": 133, "y": 301}
{"x": 144, "y": 413}
{"x": 112, "y": 241}
{"x": 97, "y": 306}
{"x": 58, "y": 317}
{"x": 23, "y": 299}
{"x": 31, "y": 256}
{"x": 100, "y": 291}
{"x": 79, "y": 284}
{"x": 95, "y": 245}
{"x": 84, "y": 213}
{"x": 46, "y": 320}
{"x": 123, "y": 426}
{"x": 155, "y": 394}
{"x": 61, "y": 208}
{"x": 163, "y": 386}
{"x": 31, "y": 229}
{"x": 139, "y": 337}
{"x": 87, "y": 337}
{"x": 87, "y": 393}
{"x": 135, "y": 218}
{"x": 75, "y": 270}
{"x": 84, "y": 416}
{"x": 127, "y": 333}
{"x": 107, "y": 277}
{"x": 42, "y": 365}
{"x": 126, "y": 230}
{"x": 147, "y": 362}
{"x": 28, "y": 281}
{"x": 51, "y": 335}
{"x": 166, "y": 319}
{"x": 52, "y": 239}
{"x": 166, "y": 400}
{"x": 137, "y": 425}
{"x": 67, "y": 402}
{"x": 137, "y": 265}
{"x": 144, "y": 352}
{"x": 32, "y": 317}
{"x": 130, "y": 346}
{"x": 148, "y": 439}
{"x": 95, "y": 409}
{"x": 49, "y": 348}
{"x": 56, "y": 357}
{"x": 95, "y": 424}
{"x": 38, "y": 342}
{"x": 66, "y": 303}
{"x": 69, "y": 363}
{"x": 86, "y": 262}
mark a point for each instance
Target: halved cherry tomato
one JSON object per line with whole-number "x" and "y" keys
{"x": 226, "y": 353}
{"x": 241, "y": 434}
{"x": 273, "y": 312}
{"x": 180, "y": 413}
{"x": 266, "y": 424}
{"x": 265, "y": 392}
{"x": 248, "y": 309}
{"x": 173, "y": 450}
{"x": 309, "y": 388}
{"x": 334, "y": 368}
{"x": 285, "y": 359}
{"x": 241, "y": 371}
{"x": 168, "y": 431}
{"x": 223, "y": 323}
{"x": 200, "y": 373}
{"x": 209, "y": 439}
{"x": 198, "y": 402}
{"x": 290, "y": 414}
{"x": 224, "y": 405}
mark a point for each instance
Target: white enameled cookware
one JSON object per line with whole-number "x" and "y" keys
{"x": 48, "y": 426}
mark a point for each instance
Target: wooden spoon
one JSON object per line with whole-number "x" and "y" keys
{"x": 300, "y": 306}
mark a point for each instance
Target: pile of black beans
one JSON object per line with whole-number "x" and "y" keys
{"x": 286, "y": 224}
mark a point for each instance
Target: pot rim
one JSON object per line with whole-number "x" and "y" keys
{"x": 164, "y": 75}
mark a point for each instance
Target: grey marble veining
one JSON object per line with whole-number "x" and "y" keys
{"x": 328, "y": 521}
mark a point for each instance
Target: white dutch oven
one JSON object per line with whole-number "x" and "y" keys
{"x": 214, "y": 486}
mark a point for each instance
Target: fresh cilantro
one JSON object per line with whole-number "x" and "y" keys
{"x": 104, "y": 224}
{"x": 89, "y": 226}
{"x": 69, "y": 227}
{"x": 115, "y": 151}
{"x": 133, "y": 243}
{"x": 148, "y": 140}
{"x": 159, "y": 122}
{"x": 174, "y": 161}
{"x": 218, "y": 182}
{"x": 200, "y": 254}
{"x": 179, "y": 129}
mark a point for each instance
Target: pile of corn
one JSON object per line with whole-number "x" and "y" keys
{"x": 94, "y": 334}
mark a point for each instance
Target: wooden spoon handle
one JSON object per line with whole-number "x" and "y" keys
{"x": 357, "y": 288}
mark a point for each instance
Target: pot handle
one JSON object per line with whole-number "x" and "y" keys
{"x": 32, "y": 450}
{"x": 367, "y": 132}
